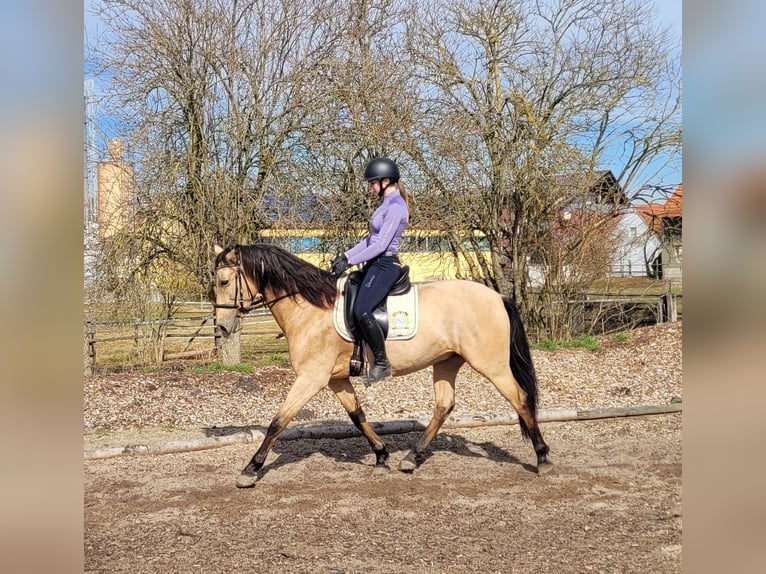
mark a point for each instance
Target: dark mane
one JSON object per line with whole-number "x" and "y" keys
{"x": 278, "y": 269}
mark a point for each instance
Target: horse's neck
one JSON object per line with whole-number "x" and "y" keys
{"x": 288, "y": 312}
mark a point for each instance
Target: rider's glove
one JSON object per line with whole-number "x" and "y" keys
{"x": 339, "y": 265}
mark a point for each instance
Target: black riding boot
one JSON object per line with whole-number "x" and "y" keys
{"x": 373, "y": 334}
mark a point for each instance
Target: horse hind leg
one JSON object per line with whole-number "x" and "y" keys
{"x": 521, "y": 389}
{"x": 346, "y": 394}
{"x": 444, "y": 401}
{"x": 514, "y": 394}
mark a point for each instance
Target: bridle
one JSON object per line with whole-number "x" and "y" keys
{"x": 256, "y": 301}
{"x": 239, "y": 293}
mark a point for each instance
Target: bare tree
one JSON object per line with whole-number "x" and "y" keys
{"x": 502, "y": 114}
{"x": 522, "y": 104}
{"x": 363, "y": 108}
{"x": 211, "y": 95}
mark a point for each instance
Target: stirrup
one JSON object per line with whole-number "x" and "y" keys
{"x": 377, "y": 373}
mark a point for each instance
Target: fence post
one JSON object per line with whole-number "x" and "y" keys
{"x": 89, "y": 350}
{"x": 671, "y": 304}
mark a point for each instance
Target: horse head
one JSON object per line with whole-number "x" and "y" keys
{"x": 234, "y": 290}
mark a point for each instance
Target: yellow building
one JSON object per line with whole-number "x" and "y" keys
{"x": 429, "y": 254}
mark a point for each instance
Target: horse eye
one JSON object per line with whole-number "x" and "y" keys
{"x": 223, "y": 282}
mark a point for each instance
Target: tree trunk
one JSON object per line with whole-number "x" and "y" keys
{"x": 89, "y": 346}
{"x": 230, "y": 349}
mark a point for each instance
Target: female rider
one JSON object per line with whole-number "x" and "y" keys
{"x": 379, "y": 252}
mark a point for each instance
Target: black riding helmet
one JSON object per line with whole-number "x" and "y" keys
{"x": 380, "y": 168}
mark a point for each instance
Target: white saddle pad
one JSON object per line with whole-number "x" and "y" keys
{"x": 402, "y": 314}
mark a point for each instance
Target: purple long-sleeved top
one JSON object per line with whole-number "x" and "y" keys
{"x": 386, "y": 227}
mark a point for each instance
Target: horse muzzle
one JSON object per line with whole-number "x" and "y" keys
{"x": 228, "y": 326}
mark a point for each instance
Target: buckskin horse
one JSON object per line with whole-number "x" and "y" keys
{"x": 459, "y": 322}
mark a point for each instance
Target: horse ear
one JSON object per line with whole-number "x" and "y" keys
{"x": 217, "y": 249}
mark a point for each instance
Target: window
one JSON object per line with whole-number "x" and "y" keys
{"x": 304, "y": 244}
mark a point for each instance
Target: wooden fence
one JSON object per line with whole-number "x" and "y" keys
{"x": 194, "y": 336}
{"x": 605, "y": 313}
{"x": 111, "y": 343}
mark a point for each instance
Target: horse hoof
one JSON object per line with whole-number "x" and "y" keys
{"x": 246, "y": 481}
{"x": 380, "y": 469}
{"x": 407, "y": 464}
{"x": 544, "y": 467}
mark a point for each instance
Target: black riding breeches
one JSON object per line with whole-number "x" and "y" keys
{"x": 380, "y": 274}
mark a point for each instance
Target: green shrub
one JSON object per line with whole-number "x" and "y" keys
{"x": 218, "y": 367}
{"x": 584, "y": 342}
{"x": 546, "y": 345}
{"x": 621, "y": 337}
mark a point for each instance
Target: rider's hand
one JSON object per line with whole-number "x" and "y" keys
{"x": 339, "y": 265}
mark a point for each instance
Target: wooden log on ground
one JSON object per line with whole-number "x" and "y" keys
{"x": 202, "y": 353}
{"x": 473, "y": 421}
{"x": 382, "y": 428}
{"x": 169, "y": 447}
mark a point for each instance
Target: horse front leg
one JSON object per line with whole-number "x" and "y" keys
{"x": 303, "y": 389}
{"x": 346, "y": 394}
{"x": 444, "y": 394}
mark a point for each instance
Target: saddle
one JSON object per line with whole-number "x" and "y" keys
{"x": 396, "y": 313}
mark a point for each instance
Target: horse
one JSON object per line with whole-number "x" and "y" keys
{"x": 460, "y": 322}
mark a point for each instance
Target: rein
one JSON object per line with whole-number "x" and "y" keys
{"x": 239, "y": 296}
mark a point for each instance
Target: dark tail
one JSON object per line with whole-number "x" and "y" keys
{"x": 521, "y": 361}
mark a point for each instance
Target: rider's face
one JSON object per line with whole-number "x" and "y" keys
{"x": 374, "y": 185}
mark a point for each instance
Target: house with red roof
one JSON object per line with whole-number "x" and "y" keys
{"x": 665, "y": 220}
{"x": 605, "y": 210}
{"x": 635, "y": 246}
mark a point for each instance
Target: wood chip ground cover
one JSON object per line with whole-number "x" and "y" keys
{"x": 612, "y": 503}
